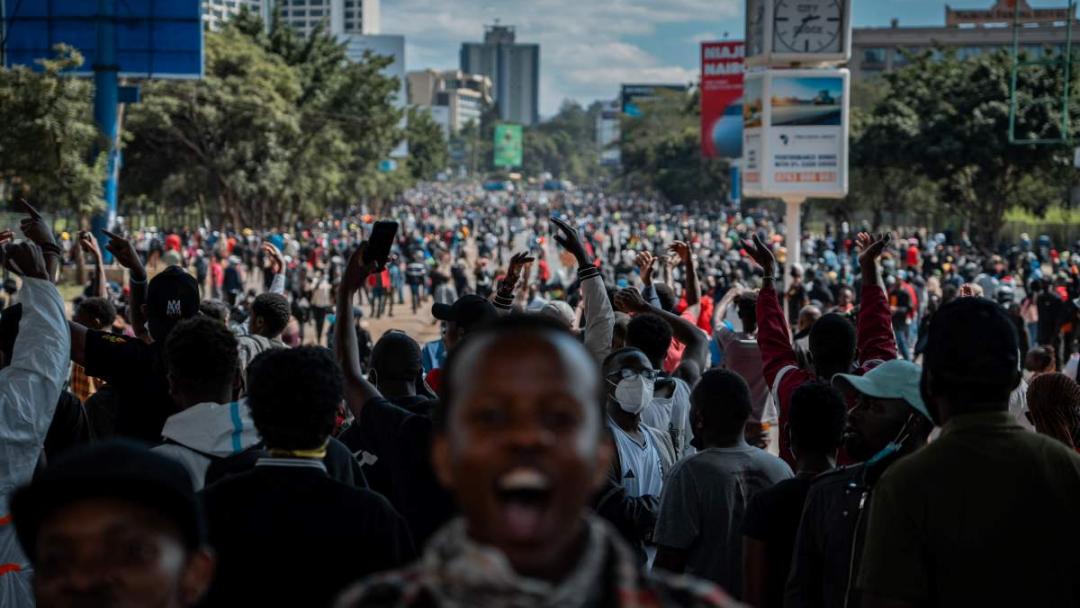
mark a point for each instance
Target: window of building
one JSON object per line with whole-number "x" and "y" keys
{"x": 316, "y": 12}
{"x": 315, "y": 2}
{"x": 299, "y": 24}
{"x": 874, "y": 55}
{"x": 349, "y": 25}
{"x": 349, "y": 4}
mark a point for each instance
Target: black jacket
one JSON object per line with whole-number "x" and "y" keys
{"x": 286, "y": 534}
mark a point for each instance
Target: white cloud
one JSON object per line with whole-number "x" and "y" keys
{"x": 703, "y": 37}
{"x": 585, "y": 52}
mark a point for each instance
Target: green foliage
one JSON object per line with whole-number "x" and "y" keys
{"x": 428, "y": 153}
{"x": 48, "y": 138}
{"x": 282, "y": 126}
{"x": 939, "y": 139}
{"x": 661, "y": 151}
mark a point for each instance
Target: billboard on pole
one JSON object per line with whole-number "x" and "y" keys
{"x": 508, "y": 146}
{"x": 721, "y": 99}
{"x": 633, "y": 96}
{"x": 795, "y": 133}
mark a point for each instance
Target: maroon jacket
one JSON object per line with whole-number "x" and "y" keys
{"x": 875, "y": 343}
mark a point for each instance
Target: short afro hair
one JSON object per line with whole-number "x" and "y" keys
{"x": 294, "y": 395}
{"x": 817, "y": 416}
{"x": 514, "y": 324}
{"x": 273, "y": 309}
{"x": 722, "y": 399}
{"x": 100, "y": 310}
{"x": 972, "y": 354}
{"x": 201, "y": 354}
{"x": 215, "y": 309}
{"x": 832, "y": 342}
{"x": 651, "y": 334}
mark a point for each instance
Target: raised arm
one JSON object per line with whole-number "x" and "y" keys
{"x": 599, "y": 316}
{"x": 646, "y": 263}
{"x": 358, "y": 391}
{"x": 31, "y": 382}
{"x": 874, "y": 334}
{"x": 504, "y": 295}
{"x": 695, "y": 340}
{"x": 126, "y": 256}
{"x": 686, "y": 255}
{"x": 88, "y": 243}
{"x": 721, "y": 307}
{"x": 277, "y": 268}
{"x": 37, "y": 230}
{"x": 773, "y": 337}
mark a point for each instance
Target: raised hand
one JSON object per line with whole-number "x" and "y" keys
{"x": 6, "y": 235}
{"x": 569, "y": 239}
{"x": 357, "y": 271}
{"x": 646, "y": 263}
{"x": 681, "y": 249}
{"x": 518, "y": 262}
{"x": 629, "y": 300}
{"x": 34, "y": 227}
{"x": 870, "y": 248}
{"x": 277, "y": 261}
{"x": 25, "y": 259}
{"x": 760, "y": 253}
{"x": 89, "y": 244}
{"x": 125, "y": 254}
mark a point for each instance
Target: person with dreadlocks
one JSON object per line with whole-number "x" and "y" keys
{"x": 1054, "y": 407}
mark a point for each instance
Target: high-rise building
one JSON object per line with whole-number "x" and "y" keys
{"x": 452, "y": 95}
{"x": 217, "y": 12}
{"x": 968, "y": 32}
{"x": 337, "y": 16}
{"x": 387, "y": 45}
{"x": 514, "y": 70}
{"x": 607, "y": 132}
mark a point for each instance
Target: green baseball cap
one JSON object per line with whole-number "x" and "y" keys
{"x": 896, "y": 379}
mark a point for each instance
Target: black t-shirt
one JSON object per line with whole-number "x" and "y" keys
{"x": 401, "y": 441}
{"x": 137, "y": 371}
{"x": 1051, "y": 310}
{"x": 772, "y": 517}
{"x": 291, "y": 536}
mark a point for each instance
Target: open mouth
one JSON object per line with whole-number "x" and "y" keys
{"x": 524, "y": 495}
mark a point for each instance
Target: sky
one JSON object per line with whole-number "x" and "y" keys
{"x": 589, "y": 47}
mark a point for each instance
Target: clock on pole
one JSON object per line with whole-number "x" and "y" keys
{"x": 801, "y": 33}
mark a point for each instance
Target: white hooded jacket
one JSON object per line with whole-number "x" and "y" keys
{"x": 207, "y": 431}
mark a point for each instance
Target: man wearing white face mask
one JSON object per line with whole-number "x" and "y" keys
{"x": 631, "y": 497}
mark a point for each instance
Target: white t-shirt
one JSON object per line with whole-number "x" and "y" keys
{"x": 672, "y": 414}
{"x": 642, "y": 473}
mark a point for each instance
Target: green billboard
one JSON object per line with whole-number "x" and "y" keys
{"x": 508, "y": 146}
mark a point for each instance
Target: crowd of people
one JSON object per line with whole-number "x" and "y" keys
{"x": 625, "y": 404}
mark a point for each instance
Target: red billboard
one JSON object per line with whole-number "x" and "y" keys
{"x": 721, "y": 99}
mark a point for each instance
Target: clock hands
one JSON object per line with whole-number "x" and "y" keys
{"x": 805, "y": 20}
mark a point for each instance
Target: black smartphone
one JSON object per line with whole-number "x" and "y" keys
{"x": 380, "y": 242}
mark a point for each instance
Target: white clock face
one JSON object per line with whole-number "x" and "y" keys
{"x": 808, "y": 26}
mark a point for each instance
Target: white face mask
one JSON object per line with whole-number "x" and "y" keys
{"x": 634, "y": 393}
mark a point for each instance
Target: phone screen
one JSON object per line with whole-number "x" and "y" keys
{"x": 382, "y": 239}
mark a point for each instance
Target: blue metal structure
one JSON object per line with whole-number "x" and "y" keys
{"x": 119, "y": 39}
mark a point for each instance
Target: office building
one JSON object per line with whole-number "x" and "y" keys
{"x": 514, "y": 70}
{"x": 337, "y": 17}
{"x": 968, "y": 32}
{"x": 217, "y": 12}
{"x": 461, "y": 96}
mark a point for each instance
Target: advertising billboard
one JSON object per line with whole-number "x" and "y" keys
{"x": 721, "y": 99}
{"x": 795, "y": 133}
{"x": 508, "y": 146}
{"x": 634, "y": 95}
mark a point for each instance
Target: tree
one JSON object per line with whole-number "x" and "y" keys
{"x": 428, "y": 153}
{"x": 661, "y": 151}
{"x": 48, "y": 140}
{"x": 282, "y": 126}
{"x": 947, "y": 119}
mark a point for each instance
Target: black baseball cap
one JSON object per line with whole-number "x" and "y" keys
{"x": 467, "y": 312}
{"x": 120, "y": 469}
{"x": 171, "y": 296}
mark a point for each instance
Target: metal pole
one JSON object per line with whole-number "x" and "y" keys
{"x": 106, "y": 103}
{"x": 793, "y": 235}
